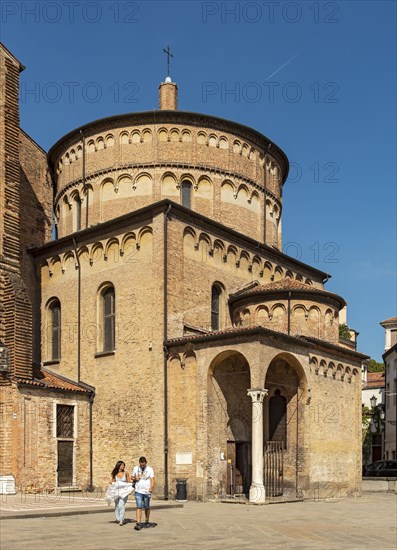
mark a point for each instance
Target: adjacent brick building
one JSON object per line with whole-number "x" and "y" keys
{"x": 168, "y": 322}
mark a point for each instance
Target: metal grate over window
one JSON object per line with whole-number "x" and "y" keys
{"x": 65, "y": 419}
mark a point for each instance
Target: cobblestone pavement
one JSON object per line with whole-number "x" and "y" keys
{"x": 356, "y": 524}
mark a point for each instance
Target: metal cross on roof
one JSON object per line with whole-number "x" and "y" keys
{"x": 169, "y": 54}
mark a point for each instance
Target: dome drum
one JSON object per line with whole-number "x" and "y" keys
{"x": 289, "y": 307}
{"x": 224, "y": 161}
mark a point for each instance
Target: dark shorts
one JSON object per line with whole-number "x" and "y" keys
{"x": 142, "y": 501}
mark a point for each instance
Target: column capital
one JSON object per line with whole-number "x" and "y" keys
{"x": 257, "y": 394}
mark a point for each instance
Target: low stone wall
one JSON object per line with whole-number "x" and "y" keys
{"x": 379, "y": 485}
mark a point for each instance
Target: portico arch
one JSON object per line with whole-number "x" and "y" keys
{"x": 284, "y": 426}
{"x": 229, "y": 423}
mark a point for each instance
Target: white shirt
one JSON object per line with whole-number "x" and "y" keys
{"x": 142, "y": 486}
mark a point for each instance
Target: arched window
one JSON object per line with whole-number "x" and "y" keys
{"x": 108, "y": 319}
{"x": 187, "y": 194}
{"x": 54, "y": 332}
{"x": 216, "y": 294}
{"x": 77, "y": 213}
{"x": 278, "y": 418}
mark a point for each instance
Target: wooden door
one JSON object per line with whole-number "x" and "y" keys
{"x": 65, "y": 463}
{"x": 231, "y": 467}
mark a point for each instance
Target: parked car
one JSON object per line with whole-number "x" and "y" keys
{"x": 381, "y": 468}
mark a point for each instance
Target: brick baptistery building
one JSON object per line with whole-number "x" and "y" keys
{"x": 164, "y": 318}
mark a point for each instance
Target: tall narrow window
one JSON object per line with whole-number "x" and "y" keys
{"x": 187, "y": 194}
{"x": 109, "y": 319}
{"x": 215, "y": 307}
{"x": 77, "y": 214}
{"x": 55, "y": 330}
{"x": 65, "y": 421}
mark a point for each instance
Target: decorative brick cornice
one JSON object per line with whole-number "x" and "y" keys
{"x": 257, "y": 332}
{"x": 155, "y": 118}
{"x": 186, "y": 215}
{"x": 166, "y": 166}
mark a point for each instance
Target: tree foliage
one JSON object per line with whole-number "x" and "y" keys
{"x": 374, "y": 366}
{"x": 366, "y": 434}
{"x": 344, "y": 331}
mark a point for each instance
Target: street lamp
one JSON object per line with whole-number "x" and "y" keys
{"x": 373, "y": 401}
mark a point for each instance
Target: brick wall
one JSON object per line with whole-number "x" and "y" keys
{"x": 128, "y": 167}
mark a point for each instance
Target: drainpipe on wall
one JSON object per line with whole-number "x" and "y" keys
{"x": 91, "y": 486}
{"x": 78, "y": 310}
{"x": 165, "y": 350}
{"x": 91, "y": 389}
{"x": 265, "y": 192}
{"x": 92, "y": 395}
{"x": 85, "y": 188}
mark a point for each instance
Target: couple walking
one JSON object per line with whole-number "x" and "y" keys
{"x": 142, "y": 478}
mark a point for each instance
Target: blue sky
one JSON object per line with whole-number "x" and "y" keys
{"x": 318, "y": 78}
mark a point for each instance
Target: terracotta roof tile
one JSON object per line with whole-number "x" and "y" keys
{"x": 375, "y": 380}
{"x": 216, "y": 333}
{"x": 212, "y": 334}
{"x": 51, "y": 381}
{"x": 284, "y": 284}
{"x": 391, "y": 320}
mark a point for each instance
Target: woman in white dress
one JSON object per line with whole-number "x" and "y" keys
{"x": 120, "y": 477}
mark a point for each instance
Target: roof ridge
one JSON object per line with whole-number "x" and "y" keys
{"x": 389, "y": 320}
{"x": 283, "y": 284}
{"x": 52, "y": 380}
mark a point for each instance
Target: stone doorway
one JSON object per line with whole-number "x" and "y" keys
{"x": 238, "y": 468}
{"x": 65, "y": 463}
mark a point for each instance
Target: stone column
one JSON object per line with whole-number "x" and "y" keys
{"x": 257, "y": 489}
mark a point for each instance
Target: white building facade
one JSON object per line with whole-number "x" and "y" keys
{"x": 390, "y": 360}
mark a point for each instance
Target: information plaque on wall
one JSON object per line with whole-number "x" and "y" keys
{"x": 184, "y": 458}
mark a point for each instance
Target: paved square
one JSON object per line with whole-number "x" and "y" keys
{"x": 369, "y": 521}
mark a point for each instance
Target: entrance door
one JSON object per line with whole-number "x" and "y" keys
{"x": 243, "y": 465}
{"x": 65, "y": 444}
{"x": 65, "y": 463}
{"x": 231, "y": 467}
{"x": 238, "y": 467}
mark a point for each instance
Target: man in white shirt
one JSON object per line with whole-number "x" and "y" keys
{"x": 143, "y": 475}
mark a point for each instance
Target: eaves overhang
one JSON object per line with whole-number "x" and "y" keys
{"x": 259, "y": 331}
{"x": 309, "y": 293}
{"x": 389, "y": 351}
{"x": 173, "y": 117}
{"x": 182, "y": 213}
